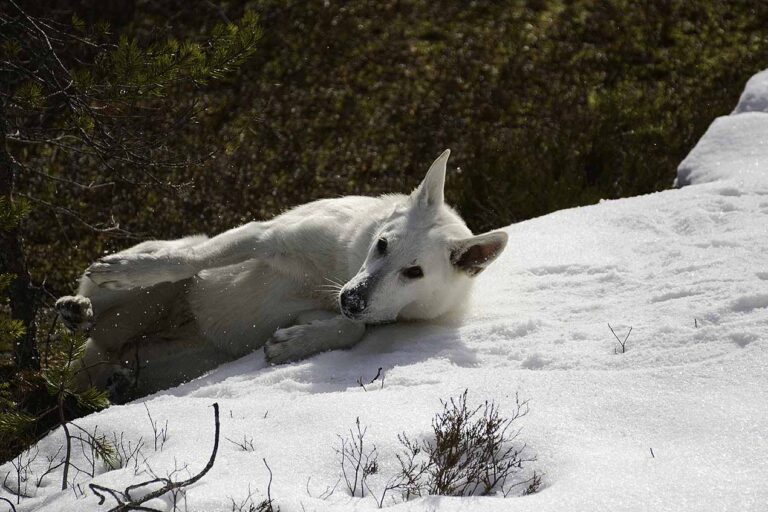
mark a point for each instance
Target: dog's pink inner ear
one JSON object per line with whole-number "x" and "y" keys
{"x": 472, "y": 258}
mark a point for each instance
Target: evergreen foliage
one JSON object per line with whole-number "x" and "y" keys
{"x": 84, "y": 109}
{"x": 546, "y": 105}
{"x": 11, "y": 330}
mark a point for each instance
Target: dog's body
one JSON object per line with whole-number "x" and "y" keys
{"x": 306, "y": 281}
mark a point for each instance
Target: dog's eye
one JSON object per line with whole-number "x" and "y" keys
{"x": 381, "y": 246}
{"x": 413, "y": 272}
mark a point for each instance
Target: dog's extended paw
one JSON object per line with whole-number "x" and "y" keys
{"x": 76, "y": 311}
{"x": 123, "y": 271}
{"x": 127, "y": 271}
{"x": 288, "y": 344}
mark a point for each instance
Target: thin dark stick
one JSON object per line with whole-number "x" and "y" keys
{"x": 622, "y": 343}
{"x": 124, "y": 500}
{"x": 9, "y": 502}
{"x": 269, "y": 485}
{"x": 377, "y": 376}
{"x": 63, "y": 421}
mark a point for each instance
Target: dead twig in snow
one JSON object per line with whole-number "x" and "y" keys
{"x": 374, "y": 379}
{"x": 127, "y": 502}
{"x": 623, "y": 344}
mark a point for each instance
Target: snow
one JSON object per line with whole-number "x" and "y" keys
{"x": 734, "y": 149}
{"x": 686, "y": 269}
{"x": 755, "y": 95}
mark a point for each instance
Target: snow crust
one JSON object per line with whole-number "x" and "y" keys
{"x": 685, "y": 268}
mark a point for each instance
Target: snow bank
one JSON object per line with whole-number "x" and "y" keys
{"x": 686, "y": 269}
{"x": 735, "y": 147}
{"x": 755, "y": 95}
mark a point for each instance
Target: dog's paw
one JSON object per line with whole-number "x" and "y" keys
{"x": 120, "y": 385}
{"x": 127, "y": 271}
{"x": 76, "y": 311}
{"x": 288, "y": 344}
{"x": 123, "y": 271}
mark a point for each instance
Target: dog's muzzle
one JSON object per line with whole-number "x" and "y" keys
{"x": 352, "y": 305}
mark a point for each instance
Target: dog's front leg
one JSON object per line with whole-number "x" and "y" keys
{"x": 303, "y": 340}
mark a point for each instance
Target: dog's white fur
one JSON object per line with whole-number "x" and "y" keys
{"x": 306, "y": 281}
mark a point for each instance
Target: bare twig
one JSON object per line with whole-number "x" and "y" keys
{"x": 21, "y": 465}
{"x": 246, "y": 444}
{"x": 378, "y": 374}
{"x": 362, "y": 462}
{"x": 159, "y": 434}
{"x": 126, "y": 502}
{"x": 247, "y": 502}
{"x": 621, "y": 343}
{"x": 51, "y": 466}
{"x": 9, "y": 502}
{"x": 327, "y": 493}
{"x": 63, "y": 422}
{"x": 267, "y": 506}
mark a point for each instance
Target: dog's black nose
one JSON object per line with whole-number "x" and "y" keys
{"x": 351, "y": 304}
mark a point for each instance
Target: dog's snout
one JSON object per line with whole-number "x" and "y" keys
{"x": 351, "y": 303}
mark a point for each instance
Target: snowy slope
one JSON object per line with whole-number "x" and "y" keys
{"x": 687, "y": 269}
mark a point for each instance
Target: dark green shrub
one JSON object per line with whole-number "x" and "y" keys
{"x": 545, "y": 104}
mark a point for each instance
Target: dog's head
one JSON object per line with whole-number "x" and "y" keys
{"x": 421, "y": 261}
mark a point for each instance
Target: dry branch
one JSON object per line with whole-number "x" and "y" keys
{"x": 127, "y": 502}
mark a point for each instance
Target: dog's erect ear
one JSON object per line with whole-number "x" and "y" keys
{"x": 473, "y": 254}
{"x": 430, "y": 192}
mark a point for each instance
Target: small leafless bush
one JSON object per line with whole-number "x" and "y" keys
{"x": 160, "y": 434}
{"x": 244, "y": 505}
{"x": 470, "y": 452}
{"x": 473, "y": 450}
{"x": 128, "y": 453}
{"x": 53, "y": 465}
{"x": 96, "y": 451}
{"x": 247, "y": 504}
{"x": 16, "y": 483}
{"x": 534, "y": 484}
{"x": 95, "y": 448}
{"x": 357, "y": 461}
{"x": 245, "y": 445}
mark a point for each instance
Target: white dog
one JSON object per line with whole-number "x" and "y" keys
{"x": 307, "y": 281}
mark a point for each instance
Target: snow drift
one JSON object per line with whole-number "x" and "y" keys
{"x": 678, "y": 422}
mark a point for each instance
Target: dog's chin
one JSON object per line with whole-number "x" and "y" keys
{"x": 380, "y": 322}
{"x": 368, "y": 319}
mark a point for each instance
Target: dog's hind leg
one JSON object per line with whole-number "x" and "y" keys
{"x": 165, "y": 359}
{"x": 126, "y": 270}
{"x": 96, "y": 368}
{"x": 281, "y": 242}
{"x": 93, "y": 303}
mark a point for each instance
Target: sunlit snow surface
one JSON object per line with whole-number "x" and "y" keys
{"x": 687, "y": 269}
